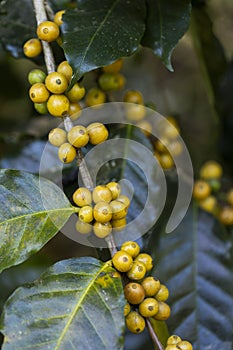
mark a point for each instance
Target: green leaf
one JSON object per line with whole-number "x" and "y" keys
{"x": 98, "y": 33}
{"x": 32, "y": 210}
{"x": 196, "y": 263}
{"x": 76, "y": 304}
{"x": 160, "y": 328}
{"x": 167, "y": 22}
{"x": 17, "y": 25}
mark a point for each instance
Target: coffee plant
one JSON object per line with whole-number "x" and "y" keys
{"x": 115, "y": 233}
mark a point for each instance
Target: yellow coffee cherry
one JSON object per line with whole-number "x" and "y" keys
{"x": 56, "y": 83}
{"x": 146, "y": 259}
{"x": 163, "y": 293}
{"x": 211, "y": 170}
{"x": 161, "y": 145}
{"x": 135, "y": 322}
{"x": 209, "y": 204}
{"x": 95, "y": 97}
{"x": 175, "y": 148}
{"x": 230, "y": 196}
{"x": 48, "y": 31}
{"x": 102, "y": 230}
{"x": 57, "y": 137}
{"x": 145, "y": 127}
{"x": 119, "y": 210}
{"x": 74, "y": 111}
{"x": 166, "y": 161}
{"x": 83, "y": 227}
{"x": 82, "y": 196}
{"x": 85, "y": 214}
{"x": 148, "y": 307}
{"x": 163, "y": 313}
{"x": 32, "y": 48}
{"x": 133, "y": 96}
{"x": 226, "y": 216}
{"x": 115, "y": 189}
{"x": 171, "y": 347}
{"x": 38, "y": 93}
{"x": 201, "y": 189}
{"x": 134, "y": 292}
{"x": 65, "y": 69}
{"x": 137, "y": 271}
{"x": 97, "y": 132}
{"x": 111, "y": 82}
{"x": 170, "y": 131}
{"x": 131, "y": 248}
{"x": 184, "y": 345}
{"x": 135, "y": 112}
{"x": 127, "y": 309}
{"x": 66, "y": 153}
{"x": 119, "y": 224}
{"x": 78, "y": 136}
{"x": 101, "y": 193}
{"x": 151, "y": 286}
{"x": 76, "y": 93}
{"x": 58, "y": 105}
{"x": 102, "y": 212}
{"x": 58, "y": 17}
{"x": 114, "y": 67}
{"x": 122, "y": 261}
{"x": 173, "y": 339}
{"x": 125, "y": 200}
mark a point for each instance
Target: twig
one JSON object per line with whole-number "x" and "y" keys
{"x": 153, "y": 336}
{"x": 41, "y": 16}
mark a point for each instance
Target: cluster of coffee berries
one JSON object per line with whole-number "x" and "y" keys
{"x": 145, "y": 296}
{"x": 102, "y": 209}
{"x": 168, "y": 145}
{"x": 47, "y": 31}
{"x": 50, "y": 93}
{"x": 78, "y": 137}
{"x": 206, "y": 189}
{"x": 174, "y": 342}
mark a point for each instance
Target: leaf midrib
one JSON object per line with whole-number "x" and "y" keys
{"x": 97, "y": 30}
{"x": 79, "y": 303}
{"x": 36, "y": 213}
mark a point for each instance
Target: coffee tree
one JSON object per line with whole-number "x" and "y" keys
{"x": 117, "y": 177}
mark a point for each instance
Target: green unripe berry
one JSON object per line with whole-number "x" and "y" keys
{"x": 131, "y": 248}
{"x": 41, "y": 107}
{"x": 57, "y": 137}
{"x": 148, "y": 307}
{"x": 135, "y": 322}
{"x": 122, "y": 261}
{"x": 36, "y": 76}
{"x": 66, "y": 153}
